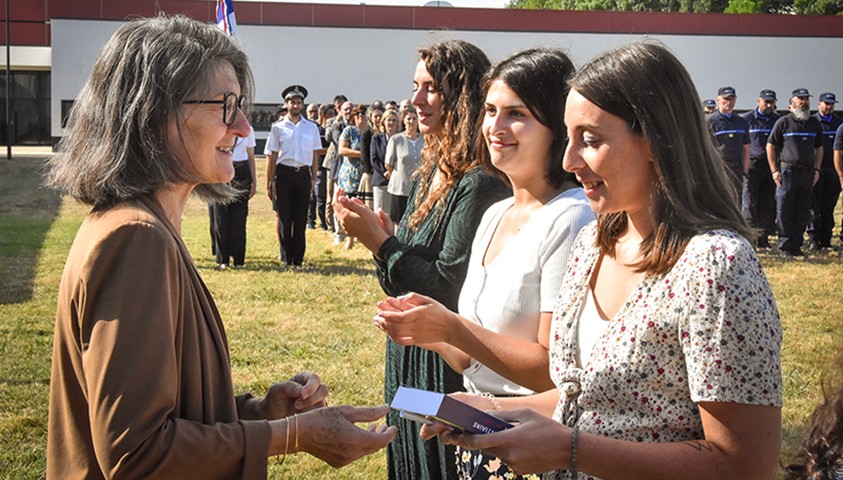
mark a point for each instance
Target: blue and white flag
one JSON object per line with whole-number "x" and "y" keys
{"x": 225, "y": 17}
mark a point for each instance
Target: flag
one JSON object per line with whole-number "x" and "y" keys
{"x": 225, "y": 17}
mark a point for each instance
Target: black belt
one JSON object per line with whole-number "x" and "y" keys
{"x": 797, "y": 167}
{"x": 294, "y": 169}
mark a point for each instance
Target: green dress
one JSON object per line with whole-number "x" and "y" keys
{"x": 432, "y": 261}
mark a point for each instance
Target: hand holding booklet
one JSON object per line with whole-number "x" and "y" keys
{"x": 425, "y": 407}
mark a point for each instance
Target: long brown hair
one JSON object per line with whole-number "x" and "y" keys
{"x": 644, "y": 84}
{"x": 457, "y": 68}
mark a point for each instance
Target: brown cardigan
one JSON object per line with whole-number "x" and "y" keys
{"x": 141, "y": 382}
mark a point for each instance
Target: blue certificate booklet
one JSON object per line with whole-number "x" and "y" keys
{"x": 425, "y": 407}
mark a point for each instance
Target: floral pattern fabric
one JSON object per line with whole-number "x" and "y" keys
{"x": 352, "y": 168}
{"x": 475, "y": 465}
{"x": 706, "y": 331}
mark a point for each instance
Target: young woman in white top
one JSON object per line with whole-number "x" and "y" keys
{"x": 499, "y": 339}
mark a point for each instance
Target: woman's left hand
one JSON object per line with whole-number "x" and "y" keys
{"x": 305, "y": 391}
{"x": 535, "y": 444}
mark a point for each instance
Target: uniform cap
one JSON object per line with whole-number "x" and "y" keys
{"x": 800, "y": 92}
{"x": 828, "y": 97}
{"x": 294, "y": 91}
{"x": 726, "y": 92}
{"x": 768, "y": 95}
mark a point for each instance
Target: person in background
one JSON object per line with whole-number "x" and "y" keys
{"x": 709, "y": 106}
{"x": 403, "y": 158}
{"x": 826, "y": 191}
{"x": 365, "y": 192}
{"x": 229, "y": 219}
{"x": 665, "y": 339}
{"x": 428, "y": 251}
{"x": 389, "y": 126}
{"x": 333, "y": 161}
{"x": 141, "y": 383}
{"x": 732, "y": 135}
{"x": 351, "y": 144}
{"x": 759, "y": 195}
{"x": 499, "y": 340}
{"x": 795, "y": 153}
{"x": 291, "y": 170}
{"x": 320, "y": 190}
{"x": 838, "y": 166}
{"x": 331, "y": 157}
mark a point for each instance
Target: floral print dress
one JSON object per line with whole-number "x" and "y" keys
{"x": 706, "y": 331}
{"x": 352, "y": 168}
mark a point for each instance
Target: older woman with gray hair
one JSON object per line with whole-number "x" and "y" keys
{"x": 141, "y": 383}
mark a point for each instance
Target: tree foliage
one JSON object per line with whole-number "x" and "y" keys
{"x": 804, "y": 7}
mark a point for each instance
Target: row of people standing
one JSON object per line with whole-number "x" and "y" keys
{"x": 615, "y": 324}
{"x": 369, "y": 157}
{"x": 782, "y": 166}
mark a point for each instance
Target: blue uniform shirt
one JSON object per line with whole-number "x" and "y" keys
{"x": 830, "y": 125}
{"x": 731, "y": 132}
{"x": 760, "y": 126}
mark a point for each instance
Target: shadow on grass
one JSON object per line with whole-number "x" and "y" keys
{"x": 27, "y": 212}
{"x": 331, "y": 267}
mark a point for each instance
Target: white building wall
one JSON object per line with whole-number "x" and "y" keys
{"x": 369, "y": 63}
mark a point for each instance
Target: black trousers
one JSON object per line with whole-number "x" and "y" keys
{"x": 292, "y": 195}
{"x": 317, "y": 200}
{"x": 759, "y": 201}
{"x": 228, "y": 222}
{"x": 793, "y": 207}
{"x": 824, "y": 199}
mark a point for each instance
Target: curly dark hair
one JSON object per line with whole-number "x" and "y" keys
{"x": 457, "y": 68}
{"x": 821, "y": 454}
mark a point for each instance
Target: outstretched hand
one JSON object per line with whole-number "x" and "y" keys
{"x": 330, "y": 434}
{"x": 305, "y": 391}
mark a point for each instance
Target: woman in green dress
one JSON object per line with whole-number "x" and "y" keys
{"x": 428, "y": 251}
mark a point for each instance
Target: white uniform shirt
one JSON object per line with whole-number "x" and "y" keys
{"x": 294, "y": 142}
{"x": 240, "y": 154}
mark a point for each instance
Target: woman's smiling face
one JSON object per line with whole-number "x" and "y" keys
{"x": 614, "y": 164}
{"x": 198, "y": 135}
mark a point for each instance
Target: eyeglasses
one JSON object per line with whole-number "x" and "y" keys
{"x": 231, "y": 103}
{"x": 359, "y": 114}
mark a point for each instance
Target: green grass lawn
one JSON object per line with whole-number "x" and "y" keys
{"x": 281, "y": 322}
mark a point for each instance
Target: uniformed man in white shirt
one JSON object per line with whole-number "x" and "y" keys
{"x": 291, "y": 168}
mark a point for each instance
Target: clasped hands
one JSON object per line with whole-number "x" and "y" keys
{"x": 359, "y": 221}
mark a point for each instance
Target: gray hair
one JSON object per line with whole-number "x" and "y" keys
{"x": 116, "y": 147}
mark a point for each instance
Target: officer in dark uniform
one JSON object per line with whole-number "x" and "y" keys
{"x": 709, "y": 106}
{"x": 759, "y": 194}
{"x": 794, "y": 152}
{"x": 827, "y": 189}
{"x": 732, "y": 135}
